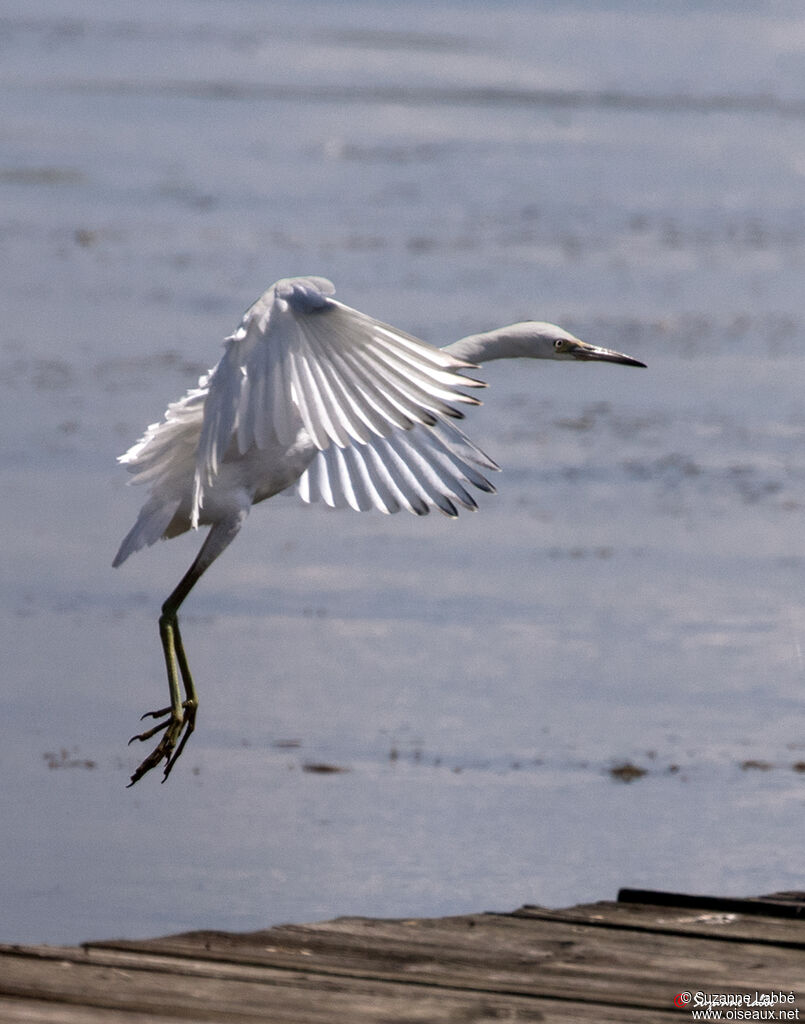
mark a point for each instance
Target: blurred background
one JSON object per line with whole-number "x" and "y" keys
{"x": 597, "y": 679}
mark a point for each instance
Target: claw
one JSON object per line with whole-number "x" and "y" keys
{"x": 156, "y": 714}
{"x": 178, "y": 728}
{"x": 157, "y": 728}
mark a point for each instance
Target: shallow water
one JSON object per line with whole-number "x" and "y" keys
{"x": 632, "y": 594}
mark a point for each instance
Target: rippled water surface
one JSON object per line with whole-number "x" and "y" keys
{"x": 632, "y": 598}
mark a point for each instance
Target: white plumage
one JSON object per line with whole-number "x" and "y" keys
{"x": 302, "y": 374}
{"x": 311, "y": 392}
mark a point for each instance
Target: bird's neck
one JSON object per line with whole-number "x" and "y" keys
{"x": 514, "y": 342}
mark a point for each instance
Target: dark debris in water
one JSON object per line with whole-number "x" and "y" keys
{"x": 68, "y": 759}
{"x": 627, "y": 772}
{"x": 757, "y": 765}
{"x": 622, "y": 770}
{"x": 45, "y": 175}
{"x": 323, "y": 768}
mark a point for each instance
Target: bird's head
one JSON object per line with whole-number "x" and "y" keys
{"x": 547, "y": 341}
{"x": 534, "y": 339}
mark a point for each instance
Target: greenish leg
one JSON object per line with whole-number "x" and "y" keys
{"x": 180, "y": 716}
{"x": 190, "y": 703}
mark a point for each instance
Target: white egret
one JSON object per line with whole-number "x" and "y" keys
{"x": 313, "y": 393}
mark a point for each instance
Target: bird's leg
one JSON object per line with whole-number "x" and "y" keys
{"x": 180, "y": 715}
{"x": 190, "y": 703}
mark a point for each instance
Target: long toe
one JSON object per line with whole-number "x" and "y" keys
{"x": 190, "y": 724}
{"x": 150, "y": 762}
{"x": 156, "y": 714}
{"x": 164, "y": 749}
{"x": 151, "y": 732}
{"x": 177, "y": 729}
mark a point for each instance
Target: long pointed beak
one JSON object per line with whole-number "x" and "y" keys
{"x": 592, "y": 353}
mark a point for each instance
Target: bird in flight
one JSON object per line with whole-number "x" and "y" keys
{"x": 312, "y": 393}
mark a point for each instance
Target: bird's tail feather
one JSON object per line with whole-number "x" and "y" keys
{"x": 152, "y": 523}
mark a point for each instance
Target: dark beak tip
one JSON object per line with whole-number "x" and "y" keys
{"x": 621, "y": 360}
{"x": 624, "y": 360}
{"x": 594, "y": 354}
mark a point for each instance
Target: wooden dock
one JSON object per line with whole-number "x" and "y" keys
{"x": 603, "y": 962}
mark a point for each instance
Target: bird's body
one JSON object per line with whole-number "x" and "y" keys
{"x": 242, "y": 480}
{"x": 311, "y": 392}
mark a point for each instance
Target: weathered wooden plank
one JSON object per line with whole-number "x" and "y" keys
{"x": 120, "y": 989}
{"x": 719, "y": 925}
{"x": 503, "y": 954}
{"x": 441, "y": 1012}
{"x": 600, "y": 963}
{"x": 34, "y": 1011}
{"x": 175, "y": 990}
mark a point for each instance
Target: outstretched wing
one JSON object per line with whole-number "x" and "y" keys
{"x": 300, "y": 359}
{"x": 417, "y": 469}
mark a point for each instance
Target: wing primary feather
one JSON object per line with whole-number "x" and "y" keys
{"x": 305, "y": 484}
{"x": 300, "y": 396}
{"x": 455, "y": 440}
{"x": 378, "y": 493}
{"x": 344, "y": 421}
{"x": 360, "y": 418}
{"x": 352, "y": 478}
{"x": 404, "y": 479}
{"x": 443, "y": 375}
{"x": 390, "y": 411}
{"x": 447, "y": 461}
{"x": 411, "y": 373}
{"x": 390, "y": 497}
{"x": 430, "y": 466}
{"x": 386, "y": 471}
{"x": 429, "y": 484}
{"x": 391, "y": 394}
{"x": 324, "y": 486}
{"x": 351, "y": 357}
{"x": 448, "y": 474}
{"x": 411, "y": 356}
{"x": 425, "y": 393}
{"x": 321, "y": 419}
{"x": 436, "y": 356}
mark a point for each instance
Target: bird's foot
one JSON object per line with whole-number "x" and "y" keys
{"x": 178, "y": 726}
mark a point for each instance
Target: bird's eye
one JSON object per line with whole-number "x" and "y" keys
{"x": 559, "y": 344}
